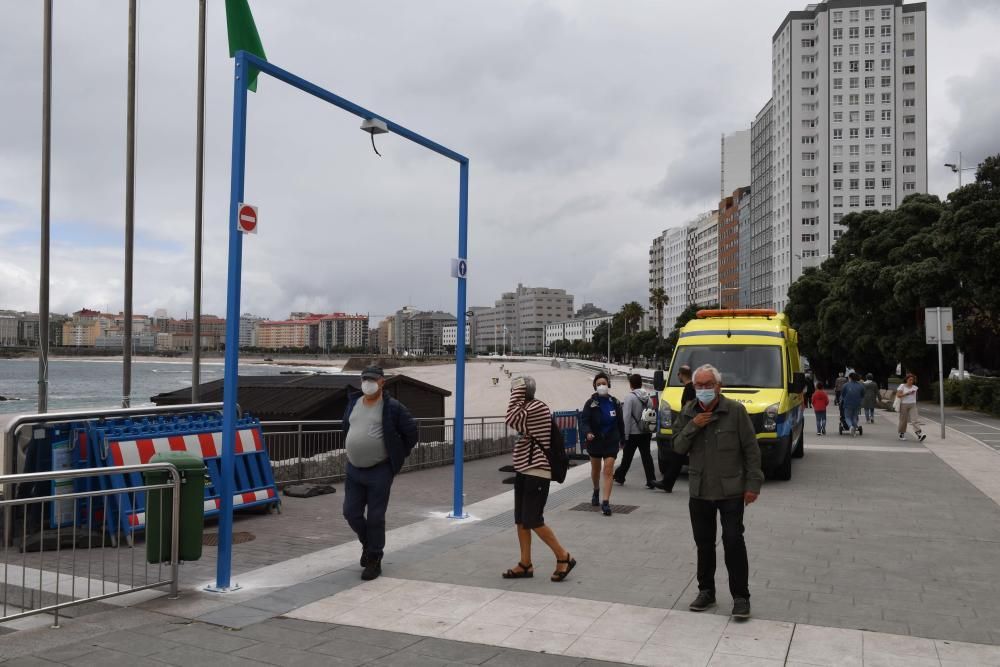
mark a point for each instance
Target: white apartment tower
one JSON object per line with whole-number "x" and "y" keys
{"x": 849, "y": 105}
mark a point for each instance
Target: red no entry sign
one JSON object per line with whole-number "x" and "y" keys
{"x": 246, "y": 219}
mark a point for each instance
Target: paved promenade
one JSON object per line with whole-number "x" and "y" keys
{"x": 877, "y": 552}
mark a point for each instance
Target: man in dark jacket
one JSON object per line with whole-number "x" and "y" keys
{"x": 670, "y": 462}
{"x": 725, "y": 475}
{"x": 378, "y": 436}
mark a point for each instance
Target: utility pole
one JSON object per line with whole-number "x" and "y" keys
{"x": 199, "y": 179}
{"x": 43, "y": 278}
{"x": 129, "y": 211}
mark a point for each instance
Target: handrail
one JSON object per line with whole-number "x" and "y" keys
{"x": 292, "y": 422}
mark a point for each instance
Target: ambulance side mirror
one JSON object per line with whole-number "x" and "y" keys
{"x": 658, "y": 381}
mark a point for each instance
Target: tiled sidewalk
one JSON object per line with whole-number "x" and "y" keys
{"x": 630, "y": 634}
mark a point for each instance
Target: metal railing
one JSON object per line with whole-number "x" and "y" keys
{"x": 62, "y": 553}
{"x": 314, "y": 450}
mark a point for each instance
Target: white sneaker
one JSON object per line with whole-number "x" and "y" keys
{"x": 921, "y": 437}
{"x": 902, "y": 436}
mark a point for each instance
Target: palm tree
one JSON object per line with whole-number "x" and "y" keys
{"x": 631, "y": 314}
{"x": 658, "y": 301}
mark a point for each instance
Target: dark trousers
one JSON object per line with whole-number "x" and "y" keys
{"x": 670, "y": 464}
{"x": 641, "y": 442}
{"x": 703, "y": 524}
{"x": 368, "y": 487}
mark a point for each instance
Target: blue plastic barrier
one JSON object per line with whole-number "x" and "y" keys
{"x": 129, "y": 442}
{"x": 568, "y": 423}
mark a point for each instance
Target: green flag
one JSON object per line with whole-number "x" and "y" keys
{"x": 243, "y": 35}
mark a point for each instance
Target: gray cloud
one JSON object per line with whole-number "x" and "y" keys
{"x": 589, "y": 129}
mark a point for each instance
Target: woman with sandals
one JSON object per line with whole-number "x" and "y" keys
{"x": 533, "y": 420}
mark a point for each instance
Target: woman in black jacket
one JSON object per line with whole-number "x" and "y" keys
{"x": 604, "y": 430}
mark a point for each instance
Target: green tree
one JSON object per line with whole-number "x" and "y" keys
{"x": 658, "y": 300}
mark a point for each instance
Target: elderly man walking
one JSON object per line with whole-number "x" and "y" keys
{"x": 725, "y": 475}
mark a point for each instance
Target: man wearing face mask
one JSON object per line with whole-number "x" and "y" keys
{"x": 725, "y": 476}
{"x": 379, "y": 434}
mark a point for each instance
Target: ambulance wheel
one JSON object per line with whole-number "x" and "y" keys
{"x": 800, "y": 450}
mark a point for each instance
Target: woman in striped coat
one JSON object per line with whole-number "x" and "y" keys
{"x": 532, "y": 419}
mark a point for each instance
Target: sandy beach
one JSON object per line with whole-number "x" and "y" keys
{"x": 561, "y": 388}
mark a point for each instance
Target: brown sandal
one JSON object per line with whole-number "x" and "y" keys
{"x": 560, "y": 575}
{"x": 527, "y": 572}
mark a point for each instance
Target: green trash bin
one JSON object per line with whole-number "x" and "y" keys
{"x": 159, "y": 508}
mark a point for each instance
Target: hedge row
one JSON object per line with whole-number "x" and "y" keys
{"x": 982, "y": 394}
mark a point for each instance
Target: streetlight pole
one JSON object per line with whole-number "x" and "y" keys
{"x": 958, "y": 169}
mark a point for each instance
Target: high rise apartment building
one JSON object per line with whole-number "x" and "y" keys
{"x": 517, "y": 320}
{"x": 735, "y": 162}
{"x": 703, "y": 255}
{"x": 729, "y": 247}
{"x": 849, "y": 126}
{"x": 761, "y": 211}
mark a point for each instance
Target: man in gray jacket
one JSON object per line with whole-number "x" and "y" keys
{"x": 636, "y": 434}
{"x": 725, "y": 475}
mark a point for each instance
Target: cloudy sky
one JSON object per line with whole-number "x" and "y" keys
{"x": 590, "y": 125}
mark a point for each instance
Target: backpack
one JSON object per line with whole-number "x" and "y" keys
{"x": 647, "y": 422}
{"x": 556, "y": 453}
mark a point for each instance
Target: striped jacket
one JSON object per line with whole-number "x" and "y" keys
{"x": 533, "y": 420}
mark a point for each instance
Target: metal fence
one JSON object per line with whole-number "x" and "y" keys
{"x": 58, "y": 551}
{"x": 314, "y": 450}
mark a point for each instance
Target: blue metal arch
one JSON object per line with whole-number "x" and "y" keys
{"x": 244, "y": 61}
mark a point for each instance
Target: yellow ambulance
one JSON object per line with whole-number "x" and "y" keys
{"x": 757, "y": 353}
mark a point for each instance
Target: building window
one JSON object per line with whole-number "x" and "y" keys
{"x": 886, "y": 200}
{"x": 886, "y": 149}
{"x": 869, "y": 149}
{"x": 887, "y": 114}
{"x": 887, "y": 131}
{"x": 838, "y": 133}
{"x": 838, "y": 167}
{"x": 854, "y": 167}
{"x": 853, "y": 33}
{"x": 909, "y": 102}
{"x": 886, "y": 47}
{"x": 869, "y": 201}
{"x": 887, "y": 31}
{"x": 870, "y": 48}
{"x": 909, "y": 120}
{"x": 869, "y": 115}
{"x": 838, "y": 33}
{"x": 886, "y": 64}
{"x": 909, "y": 152}
{"x": 909, "y": 86}
{"x": 907, "y": 20}
{"x": 855, "y": 201}
{"x": 869, "y": 31}
{"x": 838, "y": 17}
{"x": 838, "y": 116}
{"x": 886, "y": 14}
{"x": 909, "y": 37}
{"x": 837, "y": 217}
{"x": 886, "y": 166}
{"x": 853, "y": 183}
{"x": 838, "y": 83}
{"x": 869, "y": 15}
{"x": 855, "y": 116}
{"x": 852, "y": 49}
{"x": 838, "y": 202}
{"x": 869, "y": 82}
{"x": 886, "y": 81}
{"x": 909, "y": 53}
{"x": 838, "y": 100}
{"x": 838, "y": 151}
{"x": 886, "y": 98}
{"x": 838, "y": 67}
{"x": 909, "y": 168}
{"x": 869, "y": 98}
{"x": 854, "y": 15}
{"x": 854, "y": 82}
{"x": 808, "y": 43}
{"x": 909, "y": 185}
{"x": 869, "y": 65}
{"x": 838, "y": 184}
{"x": 854, "y": 65}
{"x": 838, "y": 50}
{"x": 854, "y": 150}
{"x": 854, "y": 135}
{"x": 853, "y": 100}
{"x": 870, "y": 169}
{"x": 870, "y": 184}
{"x": 886, "y": 183}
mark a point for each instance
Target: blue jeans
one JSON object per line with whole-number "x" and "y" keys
{"x": 820, "y": 421}
{"x": 870, "y": 414}
{"x": 851, "y": 415}
{"x": 368, "y": 487}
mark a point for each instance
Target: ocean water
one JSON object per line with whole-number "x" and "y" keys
{"x": 97, "y": 383}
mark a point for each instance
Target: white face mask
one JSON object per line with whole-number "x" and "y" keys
{"x": 602, "y": 390}
{"x": 369, "y": 387}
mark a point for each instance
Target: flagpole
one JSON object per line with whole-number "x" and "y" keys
{"x": 129, "y": 210}
{"x": 198, "y": 200}
{"x": 43, "y": 277}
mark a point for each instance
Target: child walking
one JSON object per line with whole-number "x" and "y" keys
{"x": 820, "y": 401}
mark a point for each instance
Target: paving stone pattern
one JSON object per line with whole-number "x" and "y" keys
{"x": 277, "y": 641}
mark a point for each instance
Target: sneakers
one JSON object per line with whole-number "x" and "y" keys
{"x": 606, "y": 508}
{"x": 595, "y": 499}
{"x": 902, "y": 436}
{"x": 373, "y": 569}
{"x": 651, "y": 485}
{"x": 705, "y": 600}
{"x": 662, "y": 485}
{"x": 921, "y": 437}
{"x": 364, "y": 558}
{"x": 741, "y": 608}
